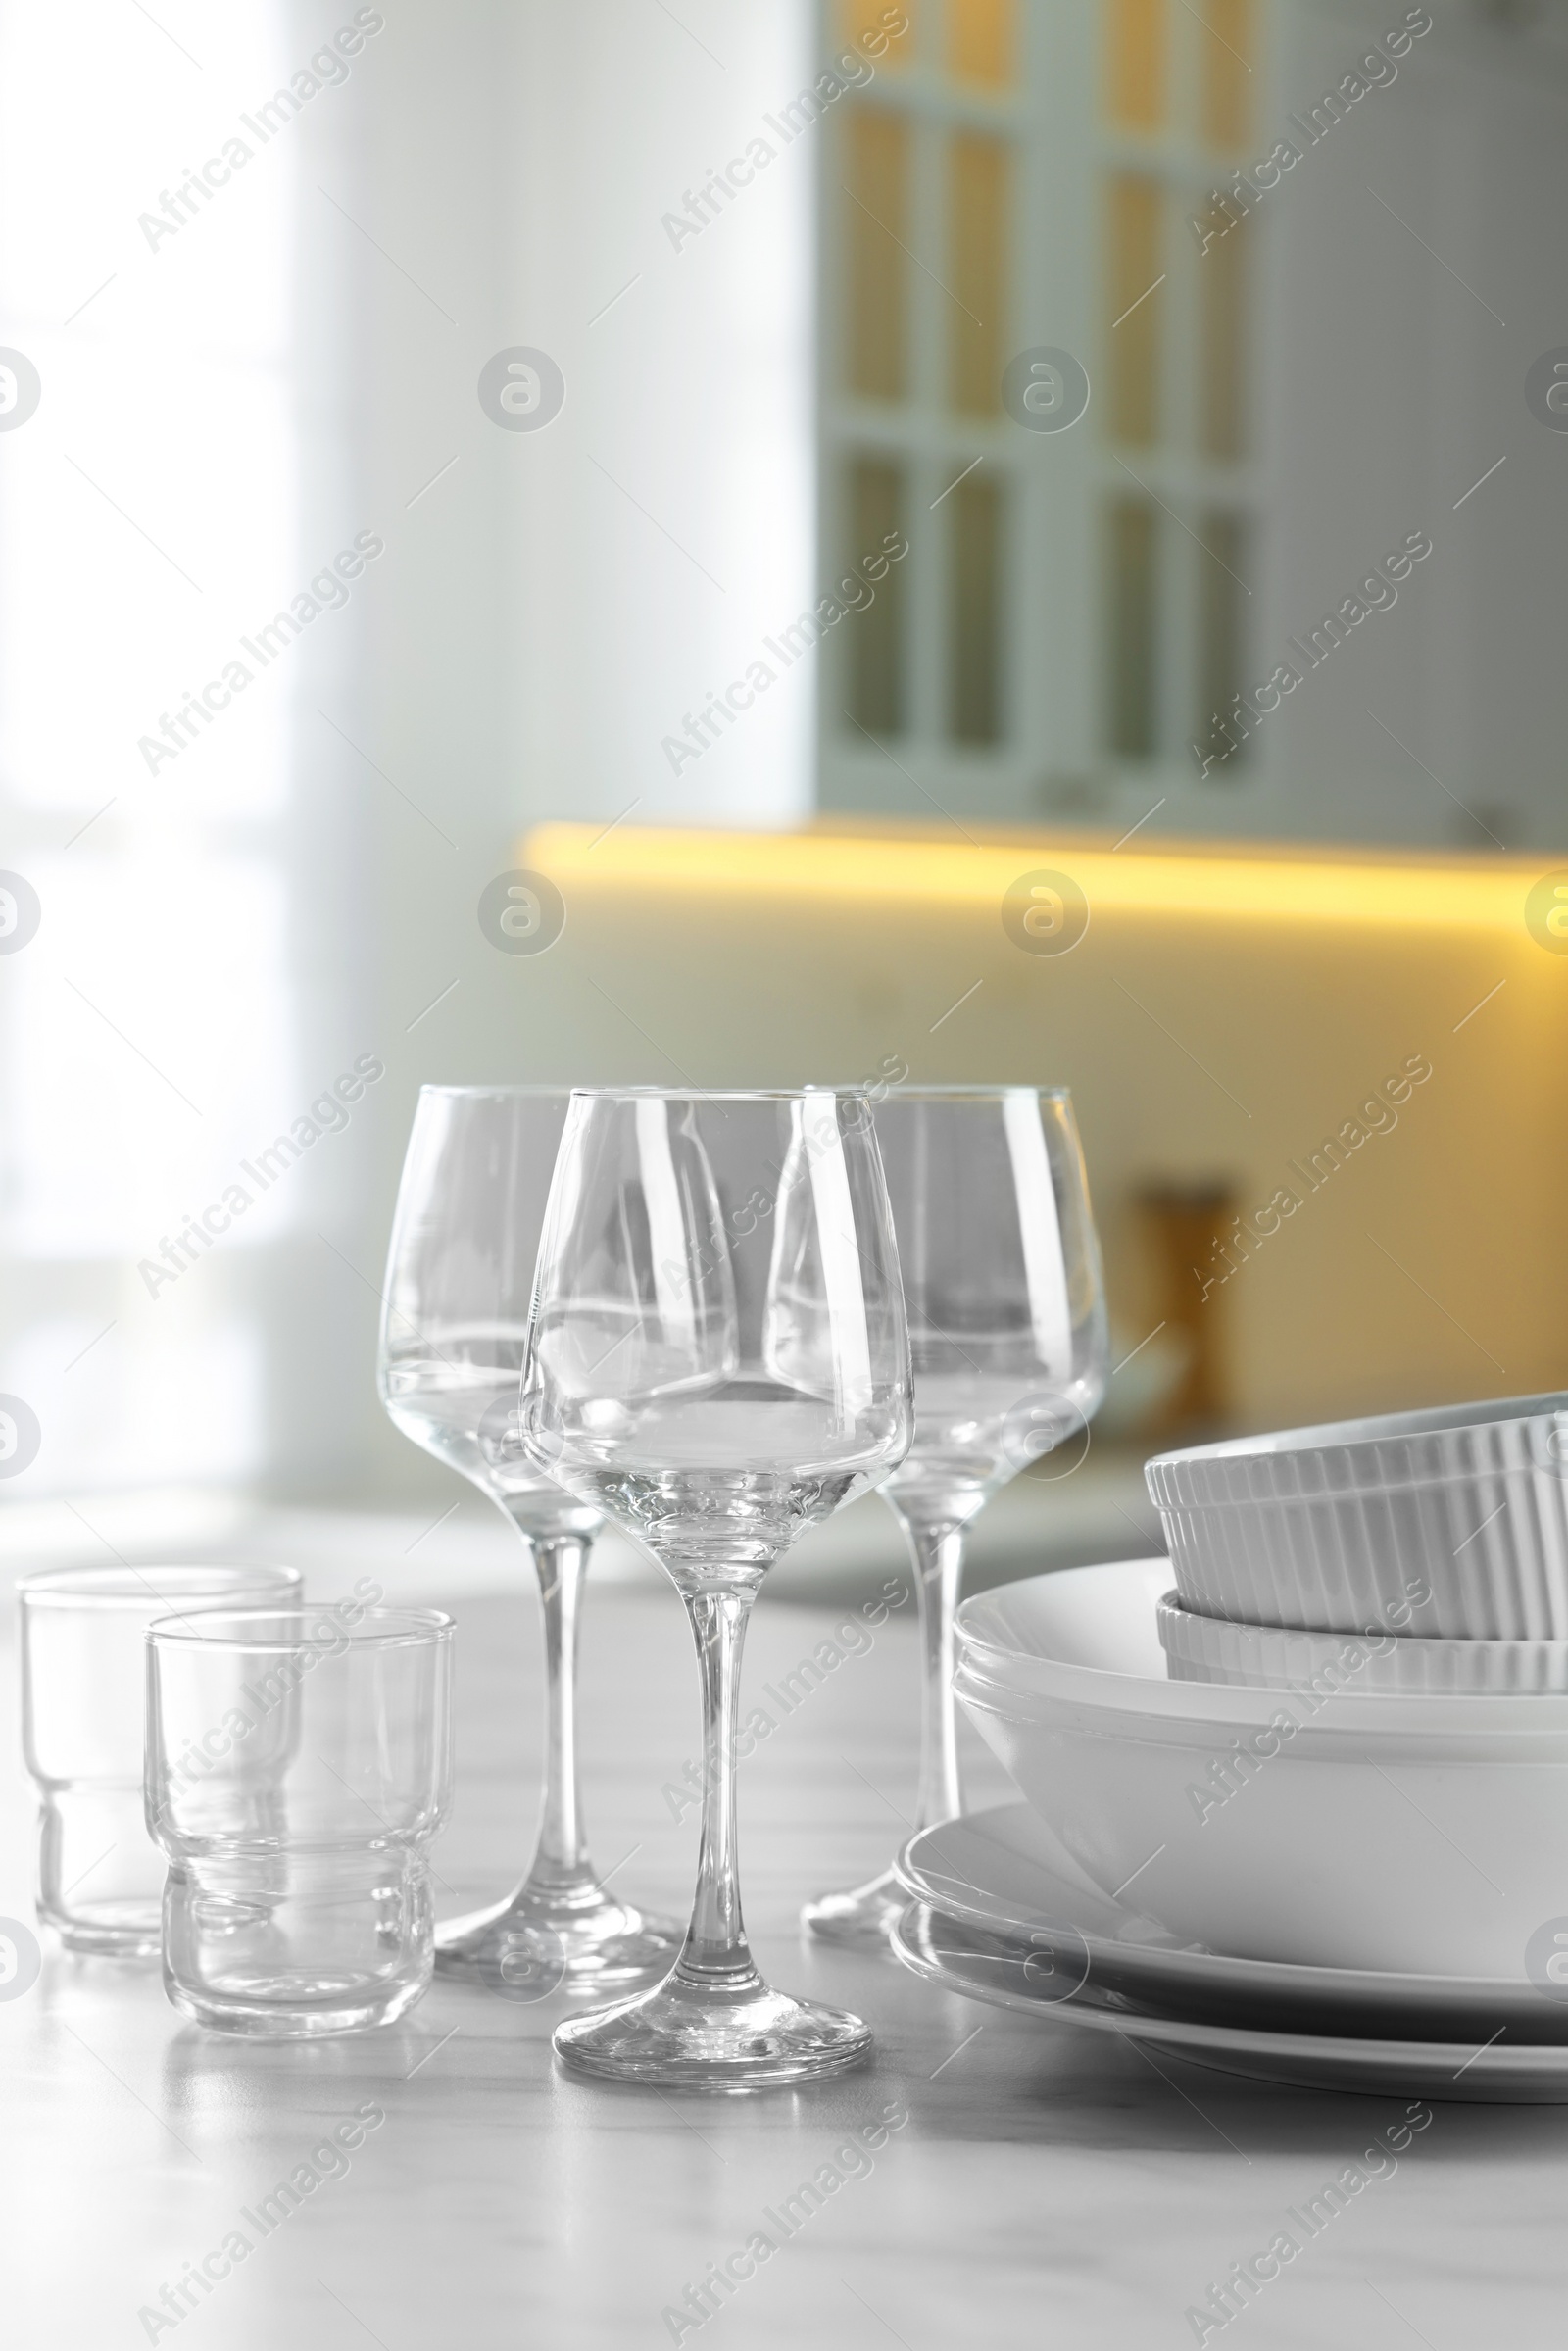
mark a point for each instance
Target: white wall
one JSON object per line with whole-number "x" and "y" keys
{"x": 535, "y": 629}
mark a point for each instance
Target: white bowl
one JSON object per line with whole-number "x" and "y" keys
{"x": 1384, "y": 1830}
{"x": 1211, "y": 1648}
{"x": 1450, "y": 1524}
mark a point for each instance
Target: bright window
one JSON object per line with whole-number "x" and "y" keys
{"x": 148, "y": 522}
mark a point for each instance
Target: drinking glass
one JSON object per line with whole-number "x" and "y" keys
{"x": 1007, "y": 1338}
{"x": 299, "y": 1762}
{"x": 83, "y": 1691}
{"x": 460, "y": 1277}
{"x": 718, "y": 1358}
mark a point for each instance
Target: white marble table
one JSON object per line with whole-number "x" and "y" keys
{"x": 1046, "y": 2187}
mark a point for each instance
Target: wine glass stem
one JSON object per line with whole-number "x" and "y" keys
{"x": 938, "y": 1555}
{"x": 561, "y": 1856}
{"x": 716, "y": 1942}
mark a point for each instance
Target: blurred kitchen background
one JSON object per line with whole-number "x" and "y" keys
{"x": 971, "y": 412}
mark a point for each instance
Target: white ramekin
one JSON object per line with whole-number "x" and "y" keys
{"x": 1213, "y": 1649}
{"x": 1450, "y": 1524}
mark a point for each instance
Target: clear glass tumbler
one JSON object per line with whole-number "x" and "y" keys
{"x": 84, "y": 1689}
{"x": 299, "y": 1762}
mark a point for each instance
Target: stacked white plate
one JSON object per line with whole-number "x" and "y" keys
{"x": 991, "y": 1916}
{"x": 1300, "y": 1817}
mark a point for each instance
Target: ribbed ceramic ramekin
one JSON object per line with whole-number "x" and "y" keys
{"x": 1449, "y": 1524}
{"x": 1210, "y": 1649}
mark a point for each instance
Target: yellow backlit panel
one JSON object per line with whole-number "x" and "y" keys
{"x": 1135, "y": 308}
{"x": 1222, "y": 274}
{"x": 1226, "y": 62}
{"x": 1392, "y": 894}
{"x": 978, "y": 179}
{"x": 866, "y": 25}
{"x": 982, "y": 42}
{"x": 876, "y": 237}
{"x": 1135, "y": 64}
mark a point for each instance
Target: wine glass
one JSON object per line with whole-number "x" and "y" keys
{"x": 454, "y": 1331}
{"x": 718, "y": 1358}
{"x": 1008, "y": 1341}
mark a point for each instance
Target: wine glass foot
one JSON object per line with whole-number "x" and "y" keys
{"x": 861, "y": 1918}
{"x": 689, "y": 2034}
{"x": 582, "y": 1942}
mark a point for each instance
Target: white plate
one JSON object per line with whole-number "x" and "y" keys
{"x": 993, "y": 1969}
{"x": 997, "y": 1871}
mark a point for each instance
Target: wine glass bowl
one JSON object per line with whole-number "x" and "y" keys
{"x": 718, "y": 1359}
{"x": 454, "y": 1336}
{"x": 471, "y": 1425}
{"x": 1009, "y": 1347}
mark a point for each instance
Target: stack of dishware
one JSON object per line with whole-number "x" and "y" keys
{"x": 1291, "y": 1797}
{"x": 1298, "y": 1816}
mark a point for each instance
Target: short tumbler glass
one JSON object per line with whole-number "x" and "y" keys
{"x": 299, "y": 1762}
{"x": 83, "y": 1691}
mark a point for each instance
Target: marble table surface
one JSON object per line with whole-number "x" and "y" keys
{"x": 1045, "y": 2186}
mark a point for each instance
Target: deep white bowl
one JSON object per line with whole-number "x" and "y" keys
{"x": 1449, "y": 1524}
{"x": 1212, "y": 1648}
{"x": 1379, "y": 1830}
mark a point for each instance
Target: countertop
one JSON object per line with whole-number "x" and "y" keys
{"x": 1046, "y": 2186}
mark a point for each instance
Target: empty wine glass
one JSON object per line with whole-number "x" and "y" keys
{"x": 1009, "y": 1342}
{"x": 718, "y": 1359}
{"x": 460, "y": 1277}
